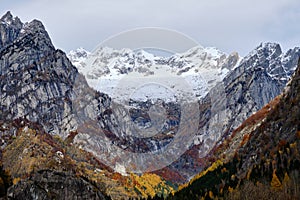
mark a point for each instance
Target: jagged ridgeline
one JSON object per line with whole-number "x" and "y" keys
{"x": 46, "y": 104}
{"x": 247, "y": 84}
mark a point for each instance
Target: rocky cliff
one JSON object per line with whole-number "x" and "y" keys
{"x": 44, "y": 103}
{"x": 237, "y": 88}
{"x": 259, "y": 78}
{"x": 261, "y": 158}
{"x": 36, "y": 79}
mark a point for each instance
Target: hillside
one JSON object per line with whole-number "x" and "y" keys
{"x": 43, "y": 102}
{"x": 265, "y": 163}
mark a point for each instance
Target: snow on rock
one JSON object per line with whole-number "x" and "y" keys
{"x": 200, "y": 67}
{"x": 121, "y": 169}
{"x": 78, "y": 56}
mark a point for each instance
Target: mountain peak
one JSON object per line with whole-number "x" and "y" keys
{"x": 37, "y": 24}
{"x": 78, "y": 56}
{"x": 34, "y": 26}
{"x": 9, "y": 29}
{"x": 79, "y": 52}
{"x": 265, "y": 55}
{"x": 8, "y": 17}
{"x": 269, "y": 44}
{"x": 36, "y": 29}
{"x": 12, "y": 29}
{"x": 270, "y": 47}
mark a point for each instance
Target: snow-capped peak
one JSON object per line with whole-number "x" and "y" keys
{"x": 201, "y": 67}
{"x": 78, "y": 56}
{"x": 214, "y": 52}
{"x": 146, "y": 55}
{"x": 199, "y": 51}
{"x": 269, "y": 57}
{"x": 265, "y": 48}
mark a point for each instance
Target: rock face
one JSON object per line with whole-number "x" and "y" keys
{"x": 280, "y": 125}
{"x": 10, "y": 29}
{"x": 39, "y": 83}
{"x": 263, "y": 151}
{"x": 54, "y": 185}
{"x": 36, "y": 79}
{"x": 259, "y": 78}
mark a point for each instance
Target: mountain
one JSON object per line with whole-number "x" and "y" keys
{"x": 238, "y": 87}
{"x": 44, "y": 103}
{"x": 105, "y": 67}
{"x": 244, "y": 90}
{"x": 253, "y": 80}
{"x": 78, "y": 56}
{"x": 56, "y": 122}
{"x": 260, "y": 77}
{"x": 261, "y": 159}
{"x": 36, "y": 79}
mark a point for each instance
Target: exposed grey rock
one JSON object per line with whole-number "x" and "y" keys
{"x": 260, "y": 77}
{"x": 231, "y": 61}
{"x": 9, "y": 29}
{"x": 54, "y": 185}
{"x": 38, "y": 81}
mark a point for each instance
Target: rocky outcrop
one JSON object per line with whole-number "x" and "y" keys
{"x": 37, "y": 81}
{"x": 260, "y": 77}
{"x": 280, "y": 127}
{"x": 54, "y": 185}
{"x": 9, "y": 29}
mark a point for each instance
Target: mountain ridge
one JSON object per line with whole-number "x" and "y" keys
{"x": 265, "y": 162}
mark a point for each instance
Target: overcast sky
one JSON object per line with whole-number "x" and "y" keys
{"x": 230, "y": 25}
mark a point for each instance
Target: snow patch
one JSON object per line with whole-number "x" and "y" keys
{"x": 120, "y": 169}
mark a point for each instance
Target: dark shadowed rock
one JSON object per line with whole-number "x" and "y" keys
{"x": 54, "y": 185}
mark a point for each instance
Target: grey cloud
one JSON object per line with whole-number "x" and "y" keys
{"x": 231, "y": 25}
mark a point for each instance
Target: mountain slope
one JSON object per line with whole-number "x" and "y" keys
{"x": 232, "y": 90}
{"x": 43, "y": 101}
{"x": 36, "y": 79}
{"x": 245, "y": 90}
{"x": 266, "y": 154}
